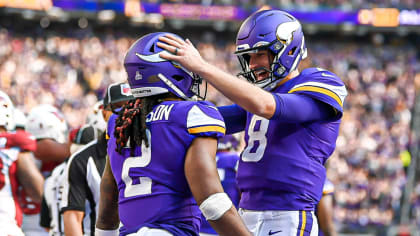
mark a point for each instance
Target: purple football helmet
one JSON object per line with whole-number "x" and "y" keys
{"x": 149, "y": 74}
{"x": 278, "y": 32}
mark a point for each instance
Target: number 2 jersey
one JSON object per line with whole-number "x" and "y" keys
{"x": 11, "y": 144}
{"x": 153, "y": 189}
{"x": 282, "y": 165}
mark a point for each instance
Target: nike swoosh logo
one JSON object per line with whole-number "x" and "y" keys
{"x": 273, "y": 232}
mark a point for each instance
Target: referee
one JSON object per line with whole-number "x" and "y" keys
{"x": 85, "y": 168}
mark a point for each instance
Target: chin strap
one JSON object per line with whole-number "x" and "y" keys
{"x": 174, "y": 87}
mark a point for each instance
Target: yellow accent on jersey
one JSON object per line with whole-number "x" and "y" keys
{"x": 319, "y": 90}
{"x": 327, "y": 192}
{"x": 302, "y": 229}
{"x": 202, "y": 129}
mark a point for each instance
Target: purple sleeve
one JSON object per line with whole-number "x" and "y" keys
{"x": 235, "y": 118}
{"x": 295, "y": 108}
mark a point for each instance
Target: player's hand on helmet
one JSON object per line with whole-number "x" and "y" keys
{"x": 182, "y": 52}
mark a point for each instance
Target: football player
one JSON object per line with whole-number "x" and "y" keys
{"x": 17, "y": 167}
{"x": 161, "y": 169}
{"x": 48, "y": 126}
{"x": 50, "y": 129}
{"x": 227, "y": 163}
{"x": 291, "y": 120}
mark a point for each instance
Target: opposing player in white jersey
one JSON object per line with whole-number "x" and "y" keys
{"x": 48, "y": 126}
{"x": 16, "y": 168}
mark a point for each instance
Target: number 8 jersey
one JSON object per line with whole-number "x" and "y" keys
{"x": 153, "y": 190}
{"x": 282, "y": 165}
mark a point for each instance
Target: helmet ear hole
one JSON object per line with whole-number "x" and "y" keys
{"x": 152, "y": 48}
{"x": 292, "y": 51}
{"x": 178, "y": 77}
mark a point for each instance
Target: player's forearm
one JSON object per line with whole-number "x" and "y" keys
{"x": 50, "y": 150}
{"x": 73, "y": 223}
{"x": 228, "y": 225}
{"x": 108, "y": 218}
{"x": 246, "y": 95}
{"x": 30, "y": 177}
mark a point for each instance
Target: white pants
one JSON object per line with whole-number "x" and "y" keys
{"x": 146, "y": 231}
{"x": 280, "y": 223}
{"x": 204, "y": 234}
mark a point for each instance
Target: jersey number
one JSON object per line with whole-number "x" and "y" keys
{"x": 257, "y": 141}
{"x": 144, "y": 184}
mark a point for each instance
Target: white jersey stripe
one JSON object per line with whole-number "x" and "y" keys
{"x": 93, "y": 179}
{"x": 197, "y": 117}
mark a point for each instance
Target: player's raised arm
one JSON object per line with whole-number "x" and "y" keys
{"x": 203, "y": 179}
{"x": 50, "y": 150}
{"x": 47, "y": 125}
{"x": 246, "y": 95}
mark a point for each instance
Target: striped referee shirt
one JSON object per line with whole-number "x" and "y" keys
{"x": 82, "y": 180}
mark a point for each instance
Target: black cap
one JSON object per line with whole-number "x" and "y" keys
{"x": 117, "y": 92}
{"x": 85, "y": 134}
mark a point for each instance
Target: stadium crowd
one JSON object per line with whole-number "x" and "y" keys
{"x": 366, "y": 168}
{"x": 299, "y": 4}
{"x": 305, "y": 4}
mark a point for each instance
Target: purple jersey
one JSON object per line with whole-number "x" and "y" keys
{"x": 227, "y": 163}
{"x": 282, "y": 165}
{"x": 153, "y": 190}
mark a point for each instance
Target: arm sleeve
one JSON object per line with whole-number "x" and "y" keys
{"x": 45, "y": 218}
{"x": 76, "y": 184}
{"x": 235, "y": 118}
{"x": 298, "y": 108}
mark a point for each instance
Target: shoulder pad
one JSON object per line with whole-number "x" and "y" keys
{"x": 322, "y": 85}
{"x": 203, "y": 119}
{"x": 21, "y": 139}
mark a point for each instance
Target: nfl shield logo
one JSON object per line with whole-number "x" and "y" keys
{"x": 138, "y": 76}
{"x": 125, "y": 90}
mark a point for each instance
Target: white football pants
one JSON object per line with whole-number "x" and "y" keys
{"x": 280, "y": 223}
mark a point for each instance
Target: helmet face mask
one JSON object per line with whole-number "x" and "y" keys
{"x": 277, "y": 32}
{"x": 251, "y": 73}
{"x": 149, "y": 74}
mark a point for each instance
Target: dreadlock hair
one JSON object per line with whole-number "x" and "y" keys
{"x": 131, "y": 121}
